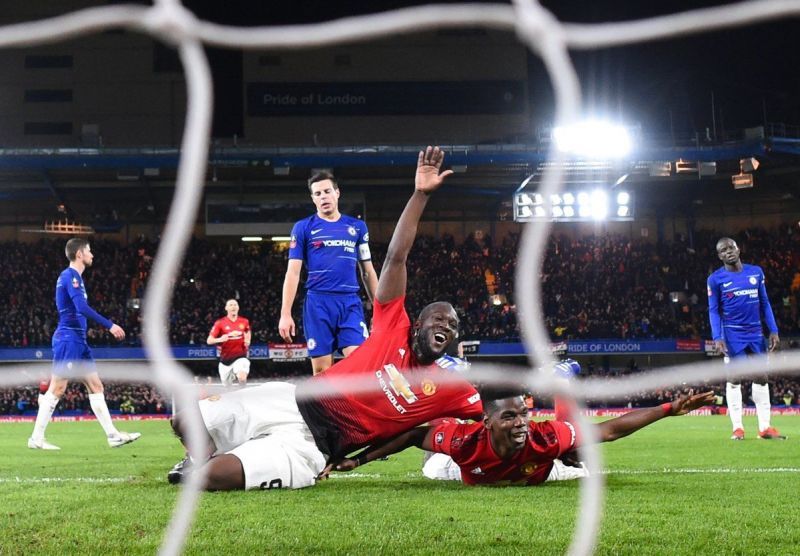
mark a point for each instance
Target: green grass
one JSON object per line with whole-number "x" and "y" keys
{"x": 678, "y": 487}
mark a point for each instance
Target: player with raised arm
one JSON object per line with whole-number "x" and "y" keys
{"x": 279, "y": 436}
{"x": 72, "y": 357}
{"x": 737, "y": 303}
{"x": 506, "y": 448}
{"x": 231, "y": 334}
{"x": 331, "y": 244}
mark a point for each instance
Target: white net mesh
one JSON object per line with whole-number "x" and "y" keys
{"x": 545, "y": 35}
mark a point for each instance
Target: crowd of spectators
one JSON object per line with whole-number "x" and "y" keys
{"x": 121, "y": 397}
{"x": 599, "y": 286}
{"x": 144, "y": 399}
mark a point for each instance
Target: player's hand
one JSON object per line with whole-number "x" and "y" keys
{"x": 325, "y": 473}
{"x": 117, "y": 331}
{"x": 687, "y": 403}
{"x": 774, "y": 341}
{"x": 429, "y": 164}
{"x": 346, "y": 464}
{"x": 224, "y": 338}
{"x": 286, "y": 328}
{"x": 721, "y": 346}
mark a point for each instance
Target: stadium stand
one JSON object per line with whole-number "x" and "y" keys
{"x": 604, "y": 286}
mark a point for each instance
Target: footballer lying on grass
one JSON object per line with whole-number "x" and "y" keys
{"x": 506, "y": 448}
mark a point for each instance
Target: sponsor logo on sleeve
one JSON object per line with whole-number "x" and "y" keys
{"x": 76, "y": 283}
{"x": 439, "y": 438}
{"x": 474, "y": 398}
{"x": 293, "y": 243}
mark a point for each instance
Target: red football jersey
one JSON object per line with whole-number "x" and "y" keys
{"x": 234, "y": 348}
{"x": 391, "y": 401}
{"x": 470, "y": 447}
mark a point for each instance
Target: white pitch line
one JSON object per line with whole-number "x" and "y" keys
{"x": 701, "y": 471}
{"x": 46, "y": 480}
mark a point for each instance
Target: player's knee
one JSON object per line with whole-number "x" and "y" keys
{"x": 225, "y": 472}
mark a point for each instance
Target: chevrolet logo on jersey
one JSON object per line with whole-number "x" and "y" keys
{"x": 399, "y": 384}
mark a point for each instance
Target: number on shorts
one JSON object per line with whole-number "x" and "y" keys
{"x": 274, "y": 483}
{"x": 364, "y": 329}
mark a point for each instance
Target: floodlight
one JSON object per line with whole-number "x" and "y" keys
{"x": 583, "y": 198}
{"x": 623, "y": 211}
{"x": 569, "y": 212}
{"x": 539, "y": 212}
{"x": 555, "y": 199}
{"x": 593, "y": 139}
{"x": 569, "y": 199}
{"x": 558, "y": 212}
{"x": 537, "y": 199}
{"x": 584, "y": 211}
{"x": 623, "y": 198}
{"x": 599, "y": 204}
{"x": 524, "y": 199}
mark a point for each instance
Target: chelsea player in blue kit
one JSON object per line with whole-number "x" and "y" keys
{"x": 71, "y": 354}
{"x": 740, "y": 291}
{"x": 332, "y": 245}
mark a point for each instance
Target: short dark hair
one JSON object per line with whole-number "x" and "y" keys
{"x": 322, "y": 175}
{"x": 491, "y": 405}
{"x": 74, "y": 245}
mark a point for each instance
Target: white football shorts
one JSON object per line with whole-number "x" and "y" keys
{"x": 227, "y": 373}
{"x": 264, "y": 429}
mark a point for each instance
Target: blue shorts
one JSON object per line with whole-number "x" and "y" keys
{"x": 72, "y": 358}
{"x": 333, "y": 322}
{"x": 745, "y": 348}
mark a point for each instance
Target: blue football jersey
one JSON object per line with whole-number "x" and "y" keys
{"x": 331, "y": 251}
{"x": 737, "y": 302}
{"x": 73, "y": 308}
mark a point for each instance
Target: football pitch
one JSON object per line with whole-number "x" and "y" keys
{"x": 677, "y": 487}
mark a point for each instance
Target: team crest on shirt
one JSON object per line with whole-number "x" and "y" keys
{"x": 428, "y": 387}
{"x": 439, "y": 438}
{"x": 351, "y": 230}
{"x": 76, "y": 283}
{"x": 241, "y": 327}
{"x": 528, "y": 468}
{"x": 753, "y": 280}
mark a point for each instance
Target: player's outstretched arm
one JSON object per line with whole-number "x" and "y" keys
{"x": 631, "y": 422}
{"x": 418, "y": 437}
{"x": 392, "y": 283}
